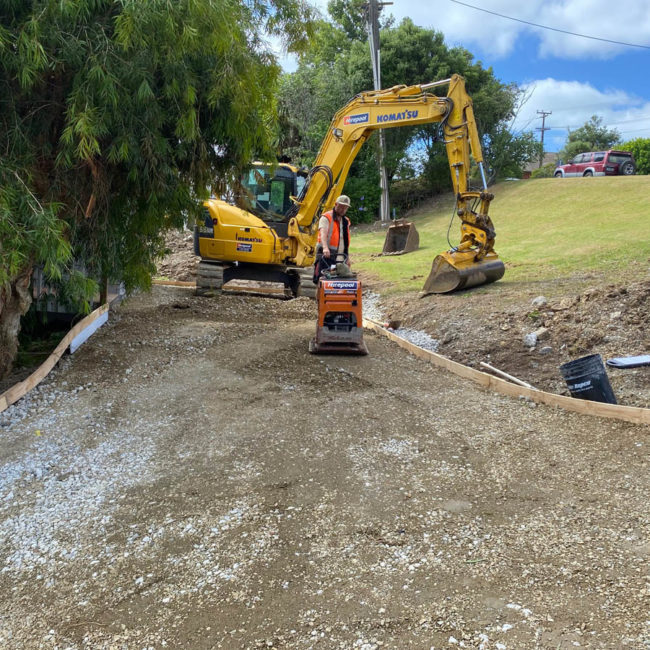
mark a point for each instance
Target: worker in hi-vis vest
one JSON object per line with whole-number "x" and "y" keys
{"x": 334, "y": 240}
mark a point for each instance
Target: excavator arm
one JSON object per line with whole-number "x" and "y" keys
{"x": 262, "y": 239}
{"x": 396, "y": 107}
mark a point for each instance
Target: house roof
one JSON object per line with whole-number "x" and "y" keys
{"x": 550, "y": 157}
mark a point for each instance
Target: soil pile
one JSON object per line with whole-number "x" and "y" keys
{"x": 180, "y": 262}
{"x": 530, "y": 332}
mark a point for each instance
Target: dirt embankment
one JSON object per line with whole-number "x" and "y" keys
{"x": 529, "y": 332}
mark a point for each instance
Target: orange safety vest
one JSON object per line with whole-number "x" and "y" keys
{"x": 334, "y": 232}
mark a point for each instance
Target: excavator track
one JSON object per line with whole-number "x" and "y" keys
{"x": 288, "y": 282}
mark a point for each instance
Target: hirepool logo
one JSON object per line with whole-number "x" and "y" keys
{"x": 356, "y": 119}
{"x": 396, "y": 117}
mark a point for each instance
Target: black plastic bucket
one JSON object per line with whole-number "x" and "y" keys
{"x": 587, "y": 379}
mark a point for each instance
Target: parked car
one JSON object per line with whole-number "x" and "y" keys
{"x": 598, "y": 163}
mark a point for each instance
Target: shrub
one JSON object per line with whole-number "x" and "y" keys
{"x": 640, "y": 149}
{"x": 546, "y": 171}
{"x": 408, "y": 194}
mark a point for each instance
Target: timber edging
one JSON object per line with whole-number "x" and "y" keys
{"x": 174, "y": 283}
{"x": 634, "y": 414}
{"x": 20, "y": 389}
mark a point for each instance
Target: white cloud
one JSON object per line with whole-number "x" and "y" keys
{"x": 492, "y": 39}
{"x": 496, "y": 36}
{"x": 572, "y": 103}
{"x": 598, "y": 18}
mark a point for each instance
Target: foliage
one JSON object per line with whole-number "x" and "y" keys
{"x": 640, "y": 149}
{"x": 408, "y": 193}
{"x": 117, "y": 115}
{"x": 364, "y": 191}
{"x": 507, "y": 154}
{"x": 546, "y": 171}
{"x": 350, "y": 16}
{"x": 28, "y": 229}
{"x": 121, "y": 113}
{"x": 592, "y": 136}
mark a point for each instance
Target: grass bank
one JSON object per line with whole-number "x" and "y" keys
{"x": 546, "y": 228}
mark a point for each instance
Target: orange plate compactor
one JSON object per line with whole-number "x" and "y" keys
{"x": 339, "y": 328}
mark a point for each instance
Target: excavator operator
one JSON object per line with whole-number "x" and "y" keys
{"x": 334, "y": 240}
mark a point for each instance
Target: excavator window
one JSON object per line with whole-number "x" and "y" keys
{"x": 267, "y": 192}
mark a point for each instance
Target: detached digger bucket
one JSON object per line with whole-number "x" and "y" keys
{"x": 401, "y": 237}
{"x": 453, "y": 271}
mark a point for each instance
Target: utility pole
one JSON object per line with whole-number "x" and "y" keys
{"x": 542, "y": 129}
{"x": 372, "y": 9}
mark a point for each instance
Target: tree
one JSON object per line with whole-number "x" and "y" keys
{"x": 350, "y": 16}
{"x": 640, "y": 149}
{"x": 591, "y": 136}
{"x": 116, "y": 117}
{"x": 336, "y": 67}
{"x": 507, "y": 153}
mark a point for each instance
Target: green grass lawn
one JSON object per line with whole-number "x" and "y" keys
{"x": 546, "y": 228}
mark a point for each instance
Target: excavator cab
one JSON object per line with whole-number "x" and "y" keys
{"x": 401, "y": 238}
{"x": 267, "y": 191}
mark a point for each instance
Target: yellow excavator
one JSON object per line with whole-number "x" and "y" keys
{"x": 269, "y": 233}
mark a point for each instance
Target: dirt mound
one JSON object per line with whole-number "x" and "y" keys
{"x": 180, "y": 262}
{"x": 535, "y": 333}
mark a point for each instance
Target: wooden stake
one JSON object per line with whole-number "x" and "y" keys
{"x": 506, "y": 375}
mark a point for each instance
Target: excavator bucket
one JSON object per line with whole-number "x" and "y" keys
{"x": 401, "y": 237}
{"x": 456, "y": 270}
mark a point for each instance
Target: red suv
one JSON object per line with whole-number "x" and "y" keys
{"x": 598, "y": 163}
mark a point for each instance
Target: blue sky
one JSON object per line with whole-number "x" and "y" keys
{"x": 572, "y": 77}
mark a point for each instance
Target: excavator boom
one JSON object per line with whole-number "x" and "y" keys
{"x": 255, "y": 240}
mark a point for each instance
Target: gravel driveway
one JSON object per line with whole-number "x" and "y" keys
{"x": 193, "y": 478}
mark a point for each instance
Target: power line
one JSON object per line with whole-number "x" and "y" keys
{"x": 640, "y": 119}
{"x": 636, "y": 131}
{"x": 553, "y": 29}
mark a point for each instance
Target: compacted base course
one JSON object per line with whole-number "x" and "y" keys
{"x": 193, "y": 478}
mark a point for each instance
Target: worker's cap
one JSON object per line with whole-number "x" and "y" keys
{"x": 343, "y": 200}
